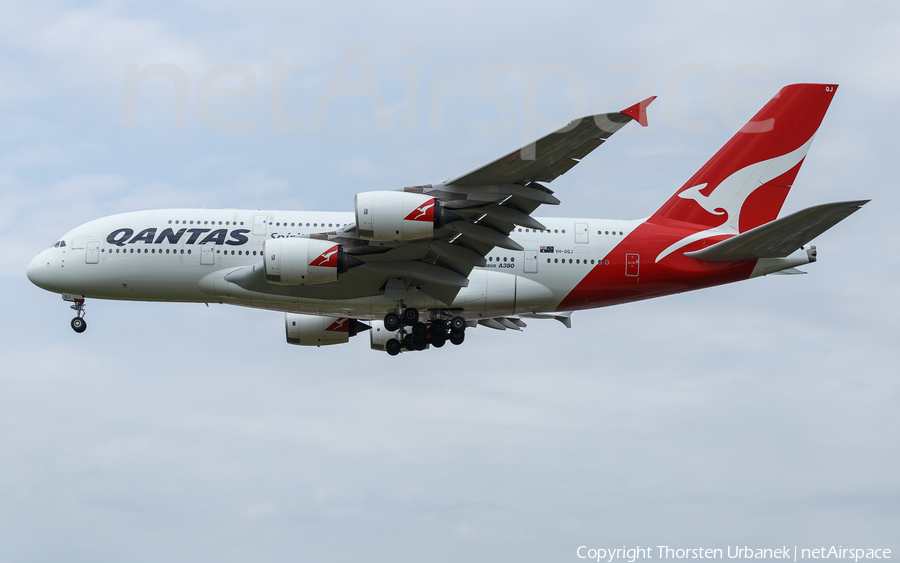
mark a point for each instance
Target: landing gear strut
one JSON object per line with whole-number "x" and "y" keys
{"x": 79, "y": 325}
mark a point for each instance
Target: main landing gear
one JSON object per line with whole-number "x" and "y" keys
{"x": 416, "y": 335}
{"x": 79, "y": 325}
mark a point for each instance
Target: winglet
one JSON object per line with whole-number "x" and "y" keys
{"x": 638, "y": 111}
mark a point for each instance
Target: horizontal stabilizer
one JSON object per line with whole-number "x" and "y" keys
{"x": 780, "y": 237}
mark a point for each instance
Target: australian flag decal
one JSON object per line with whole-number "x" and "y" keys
{"x": 547, "y": 249}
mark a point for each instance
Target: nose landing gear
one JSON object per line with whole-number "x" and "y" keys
{"x": 79, "y": 325}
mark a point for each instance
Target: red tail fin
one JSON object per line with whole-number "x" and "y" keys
{"x": 745, "y": 184}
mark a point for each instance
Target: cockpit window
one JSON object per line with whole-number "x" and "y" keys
{"x": 60, "y": 244}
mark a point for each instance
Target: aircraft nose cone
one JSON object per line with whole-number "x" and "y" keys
{"x": 31, "y": 270}
{"x": 39, "y": 274}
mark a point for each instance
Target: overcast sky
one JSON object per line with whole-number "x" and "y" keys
{"x": 763, "y": 413}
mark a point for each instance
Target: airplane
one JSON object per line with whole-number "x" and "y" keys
{"x": 424, "y": 263}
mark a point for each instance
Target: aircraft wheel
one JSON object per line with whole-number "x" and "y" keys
{"x": 457, "y": 338}
{"x": 410, "y": 316}
{"x": 438, "y": 326}
{"x": 392, "y": 346}
{"x": 409, "y": 342}
{"x": 391, "y": 322}
{"x": 457, "y": 324}
{"x": 438, "y": 341}
{"x": 419, "y": 330}
{"x": 421, "y": 344}
{"x": 79, "y": 325}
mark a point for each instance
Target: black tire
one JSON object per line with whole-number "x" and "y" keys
{"x": 419, "y": 330}
{"x": 438, "y": 326}
{"x": 421, "y": 344}
{"x": 409, "y": 342}
{"x": 438, "y": 341}
{"x": 457, "y": 324}
{"x": 457, "y": 338}
{"x": 79, "y": 325}
{"x": 410, "y": 316}
{"x": 392, "y": 346}
{"x": 391, "y": 322}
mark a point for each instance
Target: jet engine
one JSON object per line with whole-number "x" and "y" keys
{"x": 390, "y": 215}
{"x": 380, "y": 335}
{"x": 303, "y": 261}
{"x": 315, "y": 330}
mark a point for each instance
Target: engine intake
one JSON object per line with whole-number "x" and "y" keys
{"x": 303, "y": 261}
{"x": 387, "y": 215}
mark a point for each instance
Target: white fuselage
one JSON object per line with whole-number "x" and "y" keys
{"x": 184, "y": 255}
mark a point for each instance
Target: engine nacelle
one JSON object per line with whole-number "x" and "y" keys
{"x": 380, "y": 335}
{"x": 398, "y": 215}
{"x": 303, "y": 261}
{"x": 315, "y": 330}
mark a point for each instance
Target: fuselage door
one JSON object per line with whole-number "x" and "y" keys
{"x": 208, "y": 254}
{"x": 632, "y": 264}
{"x": 531, "y": 262}
{"x": 92, "y": 254}
{"x": 581, "y": 233}
{"x": 259, "y": 225}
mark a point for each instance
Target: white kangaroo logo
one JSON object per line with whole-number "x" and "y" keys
{"x": 324, "y": 258}
{"x": 729, "y": 196}
{"x": 422, "y": 209}
{"x": 337, "y": 325}
{"x": 731, "y": 193}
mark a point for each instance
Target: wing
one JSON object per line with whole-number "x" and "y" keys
{"x": 483, "y": 207}
{"x": 555, "y": 154}
{"x": 491, "y": 201}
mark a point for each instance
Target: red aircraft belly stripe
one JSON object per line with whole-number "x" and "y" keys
{"x": 610, "y": 285}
